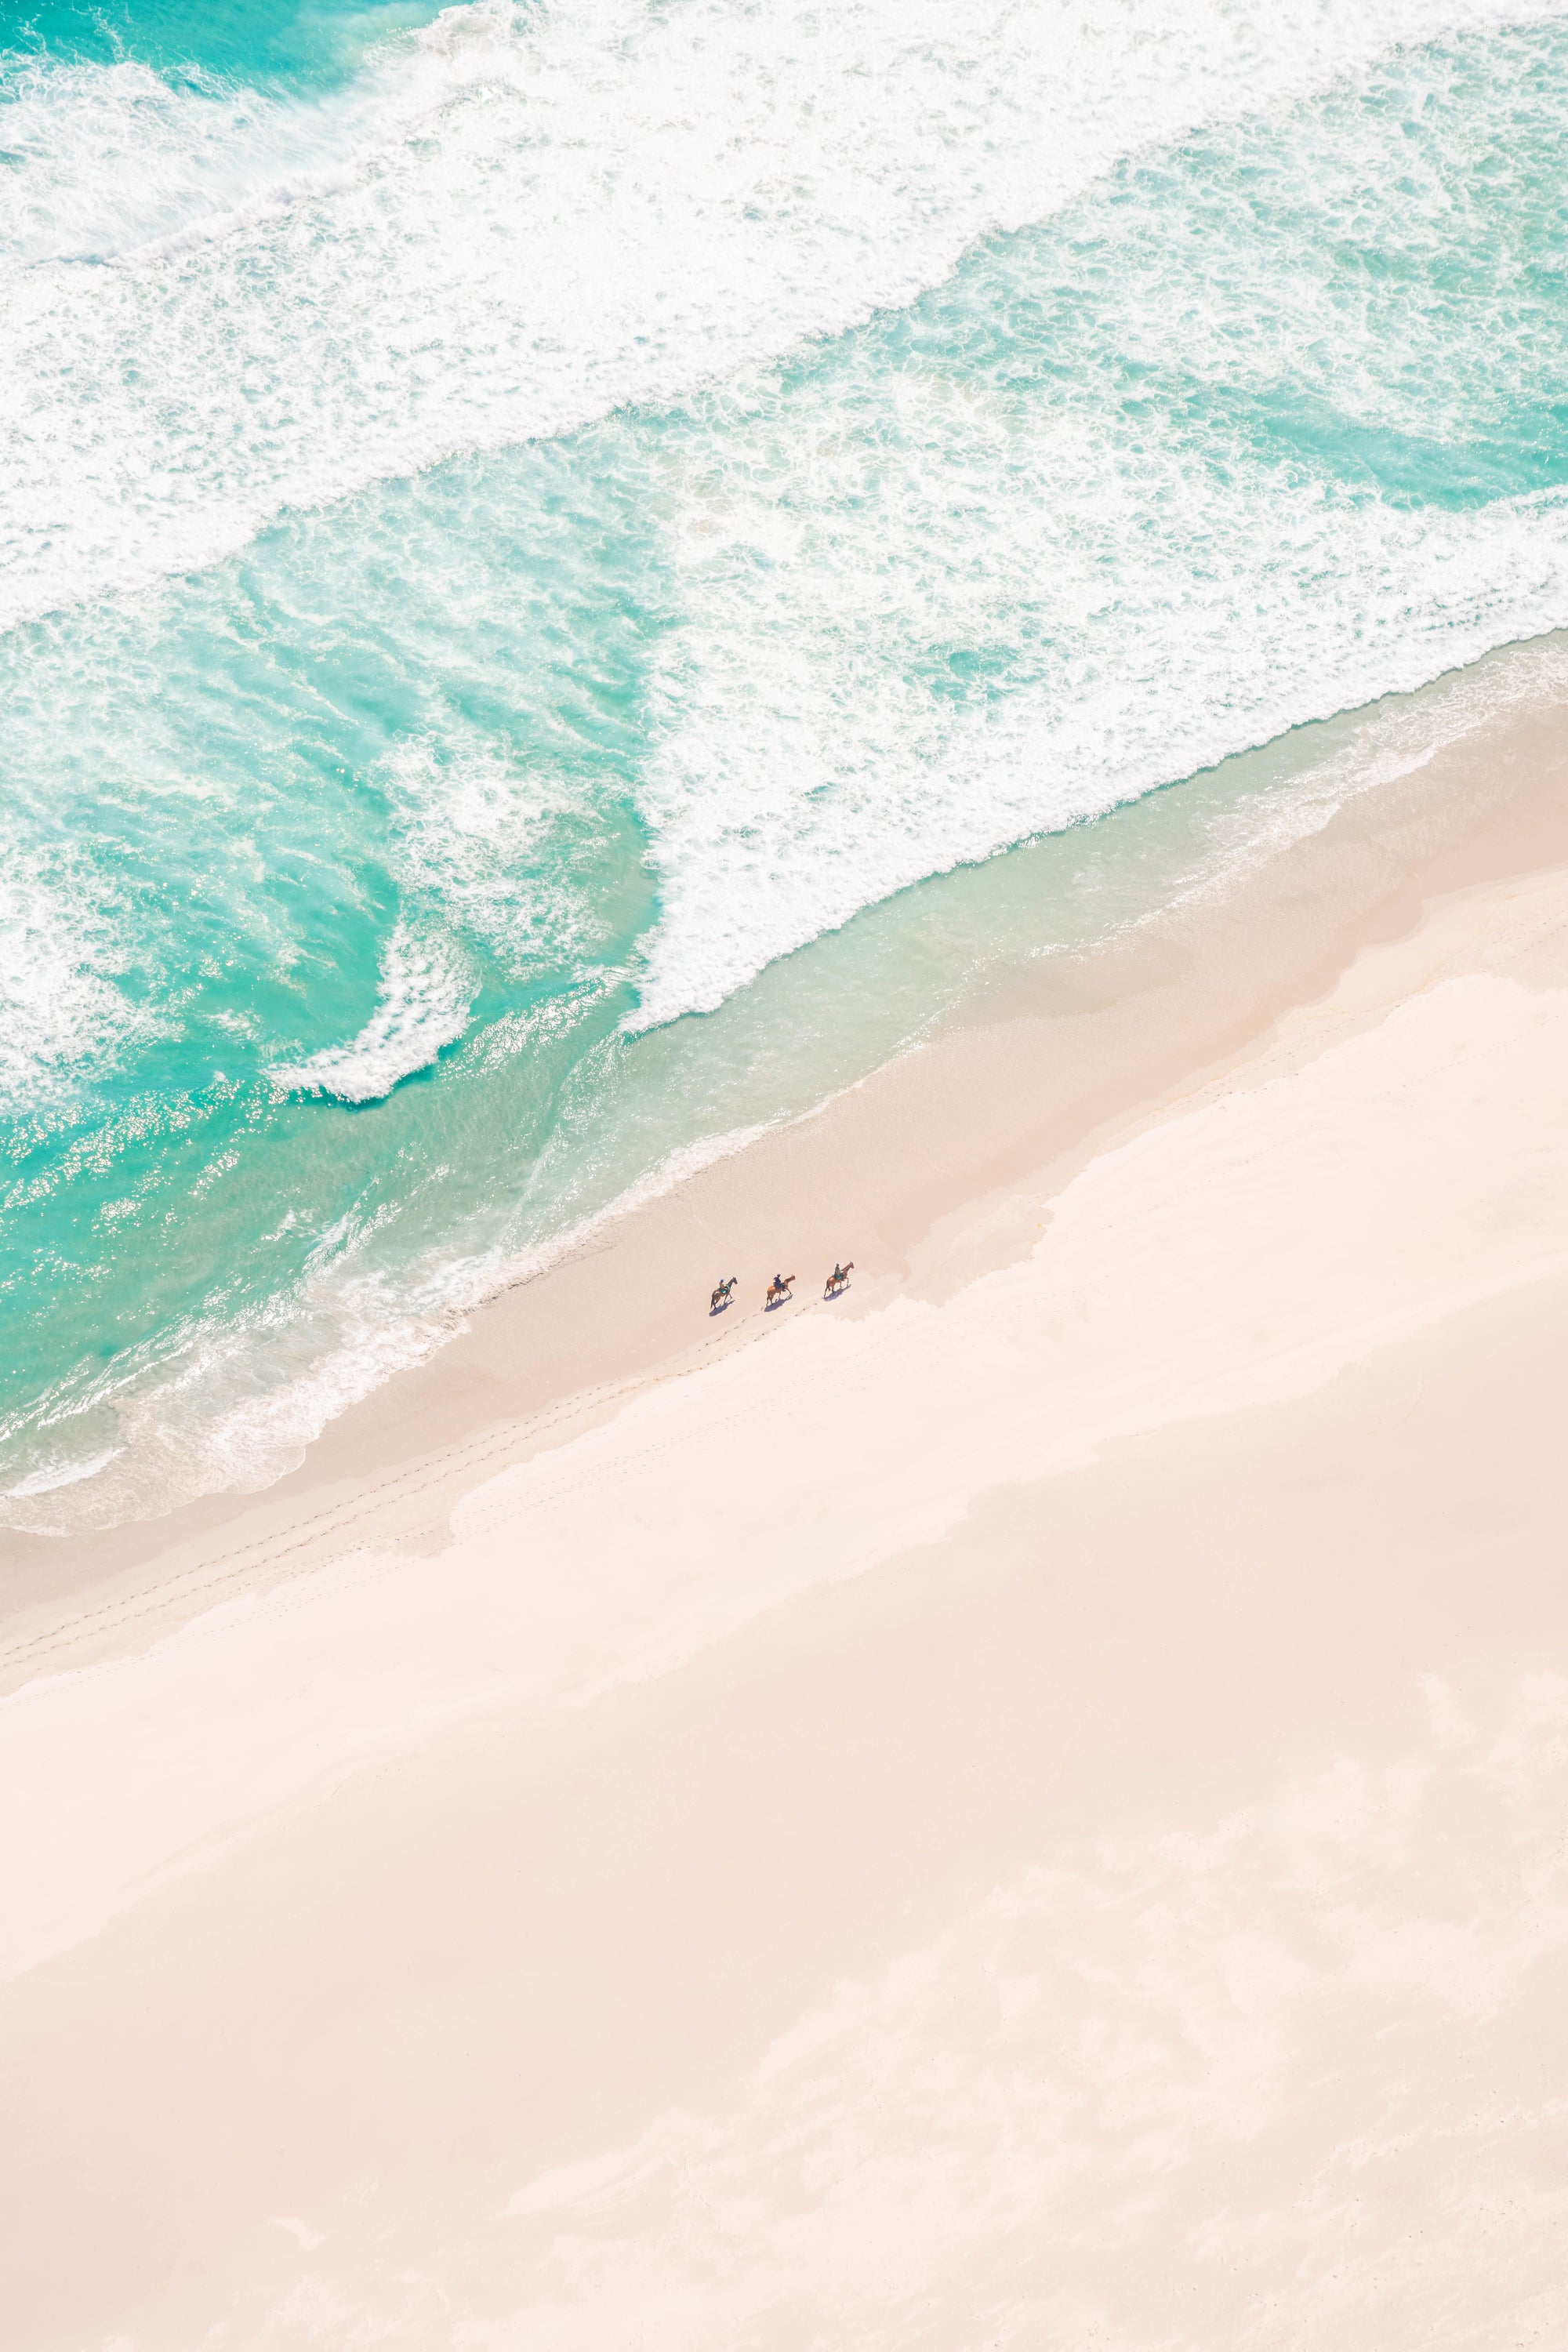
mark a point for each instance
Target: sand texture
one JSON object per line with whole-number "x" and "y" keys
{"x": 1020, "y": 1806}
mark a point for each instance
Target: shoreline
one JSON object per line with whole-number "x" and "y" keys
{"x": 1013, "y": 1093}
{"x": 1035, "y": 1760}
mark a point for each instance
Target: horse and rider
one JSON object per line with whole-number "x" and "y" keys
{"x": 779, "y": 1288}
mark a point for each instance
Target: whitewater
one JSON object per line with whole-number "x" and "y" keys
{"x": 523, "y": 529}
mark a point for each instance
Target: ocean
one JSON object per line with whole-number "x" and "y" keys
{"x": 570, "y": 574}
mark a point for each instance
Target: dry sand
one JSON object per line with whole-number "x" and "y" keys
{"x": 1023, "y": 1806}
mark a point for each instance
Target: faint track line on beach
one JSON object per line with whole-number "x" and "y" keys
{"x": 217, "y": 1575}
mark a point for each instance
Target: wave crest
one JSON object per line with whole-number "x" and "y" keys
{"x": 426, "y": 994}
{"x": 728, "y": 182}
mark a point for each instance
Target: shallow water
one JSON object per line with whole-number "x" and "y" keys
{"x": 529, "y": 537}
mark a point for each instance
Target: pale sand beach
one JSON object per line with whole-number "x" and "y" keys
{"x": 1020, "y": 1806}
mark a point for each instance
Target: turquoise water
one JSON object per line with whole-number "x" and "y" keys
{"x": 312, "y": 45}
{"x": 532, "y": 540}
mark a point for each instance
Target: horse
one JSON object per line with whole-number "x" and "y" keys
{"x": 721, "y": 1297}
{"x": 837, "y": 1279}
{"x": 778, "y": 1288}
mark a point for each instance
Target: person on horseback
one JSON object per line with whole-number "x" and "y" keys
{"x": 837, "y": 1278}
{"x": 778, "y": 1288}
{"x": 722, "y": 1296}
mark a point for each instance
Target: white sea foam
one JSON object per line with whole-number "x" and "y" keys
{"x": 220, "y": 305}
{"x": 50, "y": 1476}
{"x": 472, "y": 829}
{"x": 1399, "y": 739}
{"x": 425, "y": 995}
{"x": 229, "y": 1405}
{"x": 1154, "y": 590}
{"x": 60, "y": 949}
{"x": 232, "y": 1404}
{"x": 779, "y": 811}
{"x": 198, "y": 1421}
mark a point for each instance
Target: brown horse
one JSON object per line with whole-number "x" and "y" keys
{"x": 778, "y": 1289}
{"x": 722, "y": 1295}
{"x": 837, "y": 1279}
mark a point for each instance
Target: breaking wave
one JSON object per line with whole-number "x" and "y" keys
{"x": 507, "y": 540}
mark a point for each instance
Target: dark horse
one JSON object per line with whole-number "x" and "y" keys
{"x": 722, "y": 1296}
{"x": 837, "y": 1279}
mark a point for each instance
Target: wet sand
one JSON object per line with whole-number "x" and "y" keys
{"x": 1021, "y": 1805}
